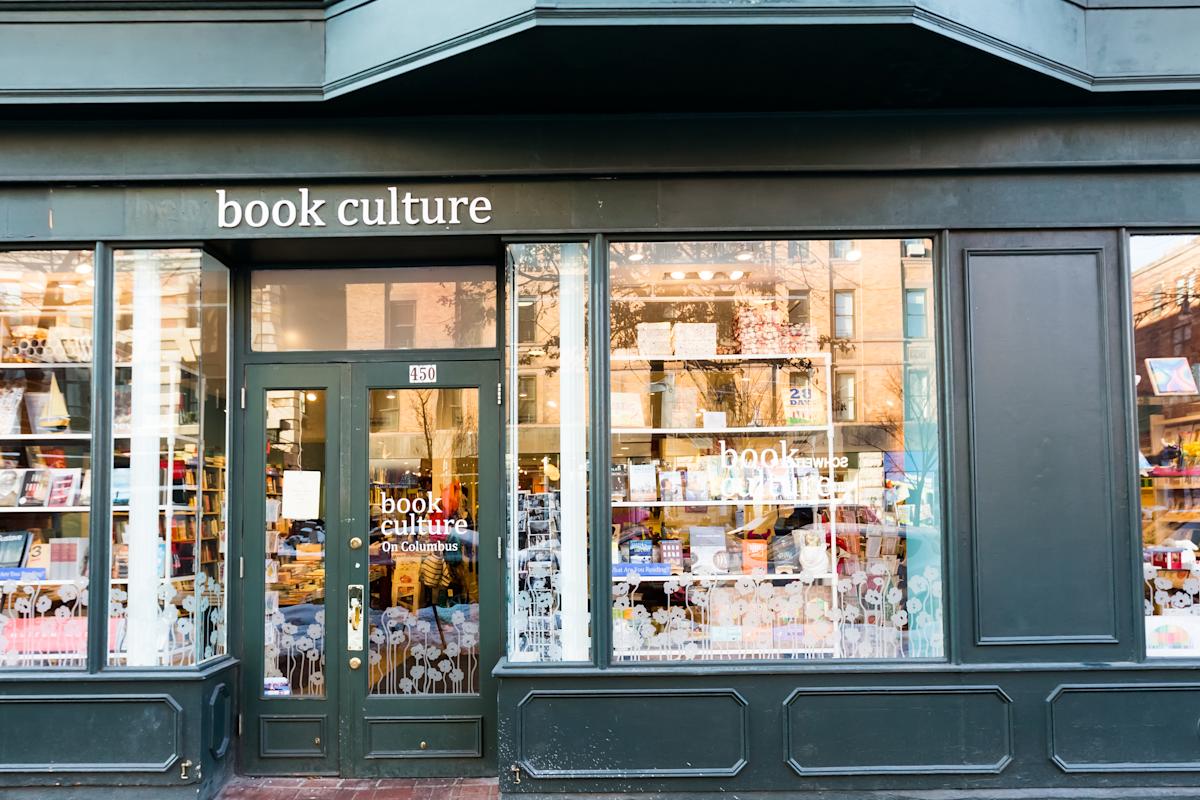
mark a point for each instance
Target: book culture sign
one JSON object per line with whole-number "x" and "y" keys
{"x": 389, "y": 208}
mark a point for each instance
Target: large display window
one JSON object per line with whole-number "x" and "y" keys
{"x": 1166, "y": 377}
{"x": 774, "y": 477}
{"x": 548, "y": 453}
{"x": 169, "y": 474}
{"x": 46, "y": 313}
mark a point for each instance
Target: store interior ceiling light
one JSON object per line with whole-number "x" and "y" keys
{"x": 707, "y": 275}
{"x": 854, "y": 255}
{"x": 84, "y": 269}
{"x": 678, "y": 275}
{"x": 736, "y": 275}
{"x": 744, "y": 255}
{"x": 636, "y": 257}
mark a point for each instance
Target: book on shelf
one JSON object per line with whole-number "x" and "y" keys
{"x": 64, "y": 487}
{"x": 85, "y": 489}
{"x": 38, "y": 557}
{"x": 671, "y": 553}
{"x": 643, "y": 483}
{"x": 670, "y": 486}
{"x": 618, "y": 483}
{"x": 11, "y": 483}
{"x": 707, "y": 546}
{"x": 35, "y": 488}
{"x": 14, "y": 547}
{"x": 641, "y": 551}
{"x": 68, "y": 557}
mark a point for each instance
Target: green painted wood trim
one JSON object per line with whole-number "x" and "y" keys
{"x": 100, "y": 519}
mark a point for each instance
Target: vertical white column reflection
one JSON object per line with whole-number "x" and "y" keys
{"x": 573, "y": 422}
{"x": 141, "y": 624}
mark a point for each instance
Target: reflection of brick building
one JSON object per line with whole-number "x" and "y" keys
{"x": 1165, "y": 308}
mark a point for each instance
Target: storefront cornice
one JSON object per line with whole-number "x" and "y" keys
{"x": 422, "y": 149}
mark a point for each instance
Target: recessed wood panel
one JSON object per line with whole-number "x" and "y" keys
{"x": 898, "y": 730}
{"x": 1041, "y": 455}
{"x": 291, "y": 737}
{"x": 424, "y": 737}
{"x": 1125, "y": 728}
{"x": 82, "y": 733}
{"x": 632, "y": 733}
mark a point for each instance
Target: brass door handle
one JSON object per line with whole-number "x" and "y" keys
{"x": 355, "y": 662}
{"x": 355, "y": 543}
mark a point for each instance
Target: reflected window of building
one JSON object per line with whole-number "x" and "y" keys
{"x": 527, "y": 399}
{"x": 798, "y": 307}
{"x": 845, "y": 398}
{"x": 402, "y": 323}
{"x": 915, "y": 313}
{"x": 843, "y": 314}
{"x": 373, "y": 309}
{"x": 774, "y": 481}
{"x": 1166, "y": 376}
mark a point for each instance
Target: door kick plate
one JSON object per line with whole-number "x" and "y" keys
{"x": 355, "y": 614}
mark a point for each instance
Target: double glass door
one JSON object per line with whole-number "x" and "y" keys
{"x": 371, "y": 525}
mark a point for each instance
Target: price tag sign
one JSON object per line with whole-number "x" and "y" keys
{"x": 422, "y": 373}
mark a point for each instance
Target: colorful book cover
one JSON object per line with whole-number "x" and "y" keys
{"x": 14, "y": 546}
{"x": 670, "y": 486}
{"x": 64, "y": 488}
{"x": 35, "y": 489}
{"x": 641, "y": 551}
{"x": 643, "y": 486}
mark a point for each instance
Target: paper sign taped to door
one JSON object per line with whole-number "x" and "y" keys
{"x": 301, "y": 494}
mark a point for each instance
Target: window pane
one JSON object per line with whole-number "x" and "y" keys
{"x": 843, "y": 309}
{"x": 170, "y": 414}
{"x": 775, "y": 485}
{"x": 424, "y": 593}
{"x": 46, "y": 302}
{"x": 547, "y": 460}
{"x": 294, "y": 596}
{"x": 373, "y": 309}
{"x": 914, "y": 305}
{"x": 1167, "y": 368}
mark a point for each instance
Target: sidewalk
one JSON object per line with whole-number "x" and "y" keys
{"x": 242, "y": 788}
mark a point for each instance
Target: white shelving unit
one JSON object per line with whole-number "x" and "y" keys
{"x": 817, "y": 360}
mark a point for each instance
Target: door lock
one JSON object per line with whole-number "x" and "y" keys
{"x": 355, "y": 543}
{"x": 355, "y": 662}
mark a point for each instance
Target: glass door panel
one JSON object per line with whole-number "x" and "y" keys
{"x": 424, "y": 567}
{"x": 294, "y": 539}
{"x": 424, "y": 485}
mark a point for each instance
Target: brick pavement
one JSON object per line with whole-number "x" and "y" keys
{"x": 242, "y": 788}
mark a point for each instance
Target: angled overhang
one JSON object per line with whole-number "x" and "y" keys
{"x": 288, "y": 51}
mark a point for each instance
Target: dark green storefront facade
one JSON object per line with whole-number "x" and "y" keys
{"x": 1006, "y": 166}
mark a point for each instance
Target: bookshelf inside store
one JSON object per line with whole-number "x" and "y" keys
{"x": 46, "y": 315}
{"x": 169, "y": 509}
{"x": 754, "y": 500}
